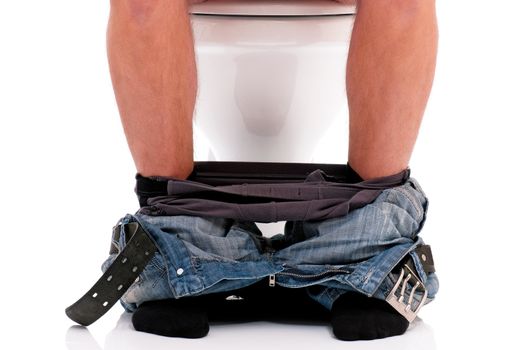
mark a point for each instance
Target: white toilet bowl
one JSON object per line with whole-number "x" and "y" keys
{"x": 271, "y": 80}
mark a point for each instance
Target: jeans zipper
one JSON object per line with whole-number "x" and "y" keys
{"x": 313, "y": 276}
{"x": 272, "y": 280}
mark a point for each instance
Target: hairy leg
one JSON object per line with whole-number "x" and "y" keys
{"x": 153, "y": 69}
{"x": 390, "y": 71}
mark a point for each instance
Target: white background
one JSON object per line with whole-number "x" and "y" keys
{"x": 66, "y": 176}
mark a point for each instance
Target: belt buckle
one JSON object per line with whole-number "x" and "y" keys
{"x": 398, "y": 302}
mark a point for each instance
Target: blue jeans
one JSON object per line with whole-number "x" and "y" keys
{"x": 356, "y": 252}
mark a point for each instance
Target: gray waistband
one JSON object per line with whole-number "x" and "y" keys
{"x": 319, "y": 196}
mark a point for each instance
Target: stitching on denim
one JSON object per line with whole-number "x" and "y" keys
{"x": 159, "y": 278}
{"x": 156, "y": 264}
{"x": 413, "y": 234}
{"x": 417, "y": 206}
{"x": 423, "y": 206}
{"x": 366, "y": 278}
{"x": 396, "y": 206}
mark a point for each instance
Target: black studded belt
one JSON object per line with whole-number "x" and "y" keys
{"x": 117, "y": 279}
{"x": 140, "y": 248}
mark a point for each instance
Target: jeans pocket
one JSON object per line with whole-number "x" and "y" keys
{"x": 412, "y": 206}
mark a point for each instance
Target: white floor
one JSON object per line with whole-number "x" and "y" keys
{"x": 66, "y": 177}
{"x": 252, "y": 335}
{"x": 480, "y": 324}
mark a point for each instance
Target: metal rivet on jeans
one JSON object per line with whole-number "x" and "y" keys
{"x": 180, "y": 271}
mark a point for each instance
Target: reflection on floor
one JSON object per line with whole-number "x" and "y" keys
{"x": 250, "y": 335}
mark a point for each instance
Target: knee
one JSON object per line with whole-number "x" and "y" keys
{"x": 398, "y": 16}
{"x": 141, "y": 9}
{"x": 132, "y": 8}
{"x": 396, "y": 8}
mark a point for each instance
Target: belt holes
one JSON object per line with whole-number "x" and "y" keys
{"x": 134, "y": 269}
{"x": 120, "y": 287}
{"x": 124, "y": 260}
{"x": 109, "y": 278}
{"x": 95, "y": 295}
{"x": 105, "y": 304}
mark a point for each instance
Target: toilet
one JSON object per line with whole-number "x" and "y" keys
{"x": 271, "y": 81}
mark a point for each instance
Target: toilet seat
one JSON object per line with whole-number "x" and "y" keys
{"x": 272, "y": 8}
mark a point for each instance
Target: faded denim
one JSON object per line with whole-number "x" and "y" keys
{"x": 355, "y": 252}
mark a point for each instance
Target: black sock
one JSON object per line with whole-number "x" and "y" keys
{"x": 354, "y": 316}
{"x": 184, "y": 318}
{"x": 351, "y": 175}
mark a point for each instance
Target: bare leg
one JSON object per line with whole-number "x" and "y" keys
{"x": 153, "y": 69}
{"x": 391, "y": 66}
